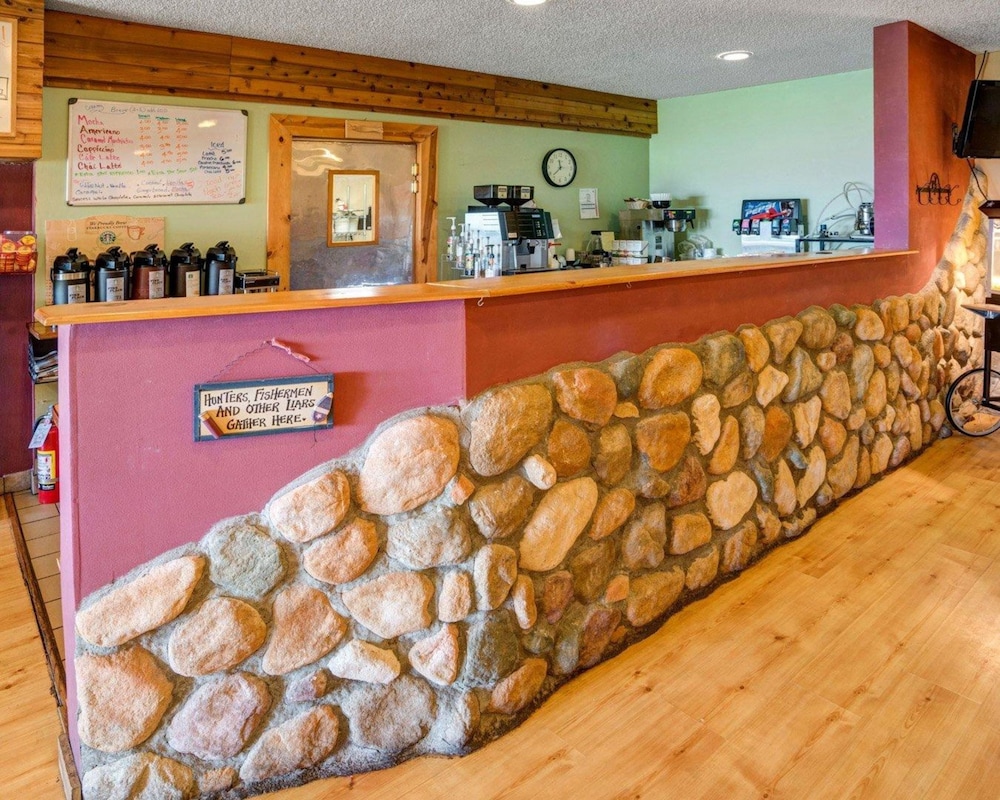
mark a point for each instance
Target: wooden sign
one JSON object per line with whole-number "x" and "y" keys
{"x": 363, "y": 129}
{"x": 270, "y": 405}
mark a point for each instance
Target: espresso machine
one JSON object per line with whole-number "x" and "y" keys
{"x": 498, "y": 240}
{"x": 663, "y": 228}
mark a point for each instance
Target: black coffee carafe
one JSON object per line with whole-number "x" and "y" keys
{"x": 220, "y": 269}
{"x": 184, "y": 275}
{"x": 149, "y": 273}
{"x": 111, "y": 276}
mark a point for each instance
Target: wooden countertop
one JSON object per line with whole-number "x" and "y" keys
{"x": 221, "y": 305}
{"x": 606, "y": 276}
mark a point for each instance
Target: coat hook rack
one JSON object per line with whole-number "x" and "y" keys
{"x": 934, "y": 194}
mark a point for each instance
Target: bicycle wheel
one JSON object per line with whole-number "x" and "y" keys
{"x": 963, "y": 403}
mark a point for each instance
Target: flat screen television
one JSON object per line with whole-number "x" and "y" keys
{"x": 980, "y": 133}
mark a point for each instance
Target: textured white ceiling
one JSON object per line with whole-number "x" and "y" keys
{"x": 647, "y": 48}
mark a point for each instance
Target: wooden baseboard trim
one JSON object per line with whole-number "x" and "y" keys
{"x": 57, "y": 673}
{"x": 72, "y": 789}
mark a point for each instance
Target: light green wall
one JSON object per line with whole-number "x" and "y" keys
{"x": 802, "y": 138}
{"x": 469, "y": 153}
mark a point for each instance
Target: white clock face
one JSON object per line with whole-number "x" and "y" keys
{"x": 559, "y": 167}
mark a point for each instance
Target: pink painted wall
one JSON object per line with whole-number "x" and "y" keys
{"x": 892, "y": 135}
{"x": 135, "y": 483}
{"x": 140, "y": 484}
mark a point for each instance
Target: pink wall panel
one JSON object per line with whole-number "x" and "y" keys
{"x": 142, "y": 485}
{"x": 17, "y": 197}
{"x": 940, "y": 74}
{"x": 135, "y": 483}
{"x": 16, "y": 403}
{"x": 892, "y": 136}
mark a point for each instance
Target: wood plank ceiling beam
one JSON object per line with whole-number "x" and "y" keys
{"x": 99, "y": 54}
{"x": 26, "y": 141}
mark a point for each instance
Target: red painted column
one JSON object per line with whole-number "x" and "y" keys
{"x": 921, "y": 81}
{"x": 16, "y": 308}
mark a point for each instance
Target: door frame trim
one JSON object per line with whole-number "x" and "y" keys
{"x": 285, "y": 128}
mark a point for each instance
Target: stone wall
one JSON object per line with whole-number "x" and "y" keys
{"x": 423, "y": 594}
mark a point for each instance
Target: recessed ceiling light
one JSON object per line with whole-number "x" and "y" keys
{"x": 527, "y": 2}
{"x": 734, "y": 55}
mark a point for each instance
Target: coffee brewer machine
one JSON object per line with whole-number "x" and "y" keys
{"x": 663, "y": 229}
{"x": 504, "y": 241}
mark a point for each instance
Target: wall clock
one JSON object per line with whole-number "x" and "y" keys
{"x": 559, "y": 167}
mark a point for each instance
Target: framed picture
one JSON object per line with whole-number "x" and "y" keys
{"x": 352, "y": 207}
{"x": 8, "y": 72}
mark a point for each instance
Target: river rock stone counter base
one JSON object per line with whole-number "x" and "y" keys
{"x": 423, "y": 594}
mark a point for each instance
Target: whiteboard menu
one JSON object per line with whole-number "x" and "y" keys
{"x": 138, "y": 154}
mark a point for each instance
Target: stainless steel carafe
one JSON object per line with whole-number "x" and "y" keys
{"x": 71, "y": 278}
{"x": 865, "y": 220}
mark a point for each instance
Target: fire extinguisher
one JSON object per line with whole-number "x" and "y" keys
{"x": 48, "y": 467}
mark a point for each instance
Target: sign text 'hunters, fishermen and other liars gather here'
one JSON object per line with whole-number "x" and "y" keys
{"x": 270, "y": 405}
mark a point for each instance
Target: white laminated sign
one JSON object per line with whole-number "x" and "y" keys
{"x": 270, "y": 405}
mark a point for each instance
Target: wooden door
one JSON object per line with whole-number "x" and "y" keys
{"x": 313, "y": 262}
{"x": 285, "y": 131}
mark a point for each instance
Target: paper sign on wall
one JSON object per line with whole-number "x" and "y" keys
{"x": 254, "y": 408}
{"x": 94, "y": 235}
{"x": 589, "y": 208}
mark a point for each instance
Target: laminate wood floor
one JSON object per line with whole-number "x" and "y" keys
{"x": 29, "y": 721}
{"x": 859, "y": 661}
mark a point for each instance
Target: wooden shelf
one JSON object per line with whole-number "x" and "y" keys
{"x": 536, "y": 283}
{"x": 41, "y": 332}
